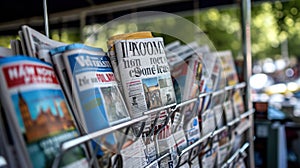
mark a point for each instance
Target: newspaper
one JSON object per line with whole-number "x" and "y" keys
{"x": 210, "y": 157}
{"x": 61, "y": 71}
{"x": 133, "y": 155}
{"x": 181, "y": 53}
{"x": 36, "y": 42}
{"x": 95, "y": 91}
{"x": 145, "y": 74}
{"x": 216, "y": 103}
{"x": 230, "y": 73}
{"x": 214, "y": 68}
{"x": 6, "y": 146}
{"x": 228, "y": 67}
{"x": 224, "y": 147}
{"x": 37, "y": 113}
{"x": 16, "y": 47}
{"x": 172, "y": 46}
{"x": 208, "y": 122}
{"x": 4, "y": 52}
{"x": 112, "y": 54}
{"x": 23, "y": 43}
{"x": 228, "y": 110}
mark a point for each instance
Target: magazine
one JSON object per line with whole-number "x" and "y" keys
{"x": 37, "y": 113}
{"x": 94, "y": 88}
{"x": 145, "y": 74}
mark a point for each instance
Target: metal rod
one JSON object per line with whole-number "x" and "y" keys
{"x": 77, "y": 141}
{"x": 240, "y": 85}
{"x": 157, "y": 160}
{"x": 236, "y": 154}
{"x": 158, "y": 109}
{"x": 46, "y": 18}
{"x": 248, "y": 113}
{"x": 231, "y": 123}
{"x": 227, "y": 88}
{"x": 202, "y": 140}
{"x": 185, "y": 103}
{"x": 218, "y": 92}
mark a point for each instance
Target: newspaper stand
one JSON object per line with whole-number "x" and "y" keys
{"x": 248, "y": 114}
{"x": 239, "y": 153}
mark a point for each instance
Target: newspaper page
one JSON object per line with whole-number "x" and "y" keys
{"x": 95, "y": 89}
{"x": 36, "y": 41}
{"x": 178, "y": 73}
{"x": 133, "y": 155}
{"x": 37, "y": 110}
{"x": 195, "y": 163}
{"x": 112, "y": 54}
{"x": 23, "y": 43}
{"x": 228, "y": 111}
{"x": 4, "y": 52}
{"x": 145, "y": 74}
{"x": 214, "y": 68}
{"x": 15, "y": 47}
{"x": 61, "y": 71}
{"x": 229, "y": 68}
{"x": 224, "y": 147}
{"x": 181, "y": 53}
{"x": 230, "y": 72}
{"x": 208, "y": 122}
{"x": 6, "y": 146}
{"x": 210, "y": 157}
{"x": 172, "y": 46}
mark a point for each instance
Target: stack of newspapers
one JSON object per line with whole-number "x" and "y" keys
{"x": 53, "y": 92}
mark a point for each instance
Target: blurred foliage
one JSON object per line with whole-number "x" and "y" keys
{"x": 222, "y": 26}
{"x": 272, "y": 23}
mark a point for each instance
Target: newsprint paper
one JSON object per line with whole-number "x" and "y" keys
{"x": 37, "y": 113}
{"x": 145, "y": 74}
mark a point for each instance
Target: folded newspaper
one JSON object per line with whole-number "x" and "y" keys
{"x": 94, "y": 88}
{"x": 145, "y": 74}
{"x": 37, "y": 113}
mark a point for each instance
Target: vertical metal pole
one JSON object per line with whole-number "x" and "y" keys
{"x": 46, "y": 18}
{"x": 246, "y": 40}
{"x": 82, "y": 24}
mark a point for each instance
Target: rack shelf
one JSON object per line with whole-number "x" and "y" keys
{"x": 237, "y": 154}
{"x": 246, "y": 116}
{"x": 85, "y": 138}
